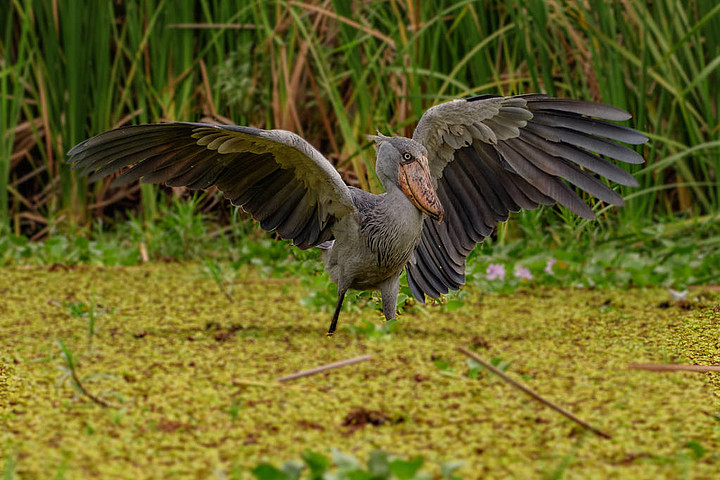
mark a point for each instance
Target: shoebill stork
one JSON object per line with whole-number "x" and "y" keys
{"x": 469, "y": 164}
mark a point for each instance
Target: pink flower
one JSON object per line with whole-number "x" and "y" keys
{"x": 549, "y": 266}
{"x": 495, "y": 271}
{"x": 523, "y": 273}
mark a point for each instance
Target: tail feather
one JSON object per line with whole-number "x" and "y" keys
{"x": 326, "y": 245}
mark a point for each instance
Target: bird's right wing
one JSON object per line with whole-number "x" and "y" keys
{"x": 275, "y": 175}
{"x": 491, "y": 155}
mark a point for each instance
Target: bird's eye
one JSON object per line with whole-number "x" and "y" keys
{"x": 407, "y": 156}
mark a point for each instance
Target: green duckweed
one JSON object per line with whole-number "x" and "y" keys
{"x": 190, "y": 379}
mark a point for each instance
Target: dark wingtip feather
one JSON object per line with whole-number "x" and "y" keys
{"x": 582, "y": 107}
{"x": 584, "y": 124}
{"x": 642, "y": 140}
{"x": 75, "y": 150}
{"x": 75, "y": 164}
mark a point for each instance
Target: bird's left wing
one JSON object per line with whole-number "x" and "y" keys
{"x": 285, "y": 184}
{"x": 492, "y": 155}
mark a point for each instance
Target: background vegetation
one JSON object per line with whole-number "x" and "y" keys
{"x": 334, "y": 71}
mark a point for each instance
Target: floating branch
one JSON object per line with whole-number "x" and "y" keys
{"x": 253, "y": 383}
{"x": 329, "y": 366}
{"x": 670, "y": 367}
{"x": 532, "y": 393}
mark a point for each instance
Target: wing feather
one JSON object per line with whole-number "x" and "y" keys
{"x": 300, "y": 216}
{"x": 492, "y": 155}
{"x": 437, "y": 234}
{"x": 282, "y": 210}
{"x": 285, "y": 184}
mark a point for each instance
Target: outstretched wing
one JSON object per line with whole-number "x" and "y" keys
{"x": 493, "y": 155}
{"x": 275, "y": 175}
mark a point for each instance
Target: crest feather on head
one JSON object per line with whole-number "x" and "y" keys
{"x": 379, "y": 138}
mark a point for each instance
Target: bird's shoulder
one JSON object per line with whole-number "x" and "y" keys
{"x": 365, "y": 202}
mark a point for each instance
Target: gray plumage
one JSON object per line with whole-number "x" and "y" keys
{"x": 469, "y": 164}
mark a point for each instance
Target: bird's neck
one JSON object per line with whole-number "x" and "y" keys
{"x": 393, "y": 230}
{"x": 398, "y": 209}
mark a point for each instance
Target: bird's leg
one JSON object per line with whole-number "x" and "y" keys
{"x": 389, "y": 293}
{"x": 333, "y": 325}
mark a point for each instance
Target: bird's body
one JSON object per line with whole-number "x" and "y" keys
{"x": 469, "y": 164}
{"x": 371, "y": 253}
{"x": 367, "y": 252}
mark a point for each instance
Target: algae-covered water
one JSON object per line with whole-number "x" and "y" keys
{"x": 190, "y": 379}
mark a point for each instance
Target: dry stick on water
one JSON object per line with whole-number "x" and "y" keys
{"x": 85, "y": 392}
{"x": 254, "y": 383}
{"x": 322, "y": 368}
{"x": 532, "y": 393}
{"x": 668, "y": 367}
{"x": 70, "y": 370}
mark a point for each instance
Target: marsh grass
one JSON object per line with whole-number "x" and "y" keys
{"x": 91, "y": 313}
{"x": 336, "y": 71}
{"x": 223, "y": 278}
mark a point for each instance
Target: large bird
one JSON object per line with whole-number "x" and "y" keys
{"x": 469, "y": 164}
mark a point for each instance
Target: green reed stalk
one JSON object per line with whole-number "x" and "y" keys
{"x": 14, "y": 61}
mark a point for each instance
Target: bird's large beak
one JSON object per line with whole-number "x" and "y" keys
{"x": 415, "y": 183}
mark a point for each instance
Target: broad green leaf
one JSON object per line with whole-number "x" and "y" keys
{"x": 317, "y": 463}
{"x": 453, "y": 304}
{"x": 378, "y": 464}
{"x": 292, "y": 469}
{"x": 265, "y": 471}
{"x": 447, "y": 469}
{"x": 357, "y": 474}
{"x": 343, "y": 460}
{"x": 406, "y": 469}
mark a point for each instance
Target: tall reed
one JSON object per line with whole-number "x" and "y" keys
{"x": 335, "y": 71}
{"x": 14, "y": 61}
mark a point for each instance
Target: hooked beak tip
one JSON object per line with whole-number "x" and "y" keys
{"x": 438, "y": 216}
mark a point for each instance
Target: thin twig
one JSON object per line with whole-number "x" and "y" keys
{"x": 669, "y": 367}
{"x": 82, "y": 388}
{"x": 322, "y": 368}
{"x": 254, "y": 383}
{"x": 532, "y": 393}
{"x": 224, "y": 291}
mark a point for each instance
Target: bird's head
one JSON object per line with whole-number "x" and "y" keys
{"x": 404, "y": 162}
